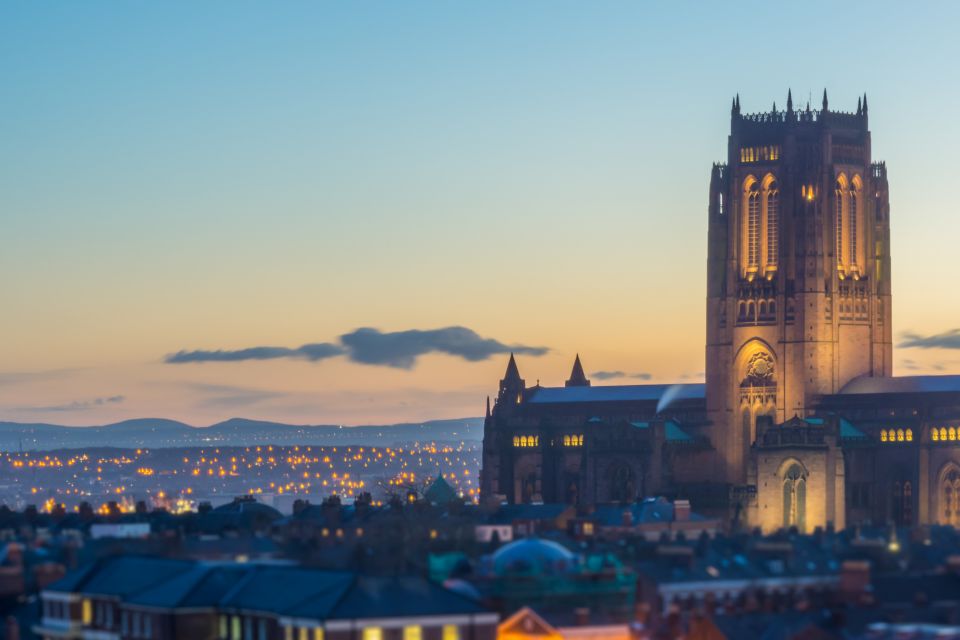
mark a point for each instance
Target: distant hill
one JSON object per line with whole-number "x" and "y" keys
{"x": 159, "y": 432}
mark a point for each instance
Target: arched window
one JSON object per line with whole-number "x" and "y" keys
{"x": 900, "y": 435}
{"x": 943, "y": 434}
{"x": 516, "y": 441}
{"x": 856, "y": 187}
{"x": 566, "y": 441}
{"x": 523, "y": 441}
{"x": 840, "y": 206}
{"x": 773, "y": 224}
{"x": 752, "y": 224}
{"x": 950, "y": 497}
{"x": 934, "y": 434}
{"x": 794, "y": 497}
{"x": 952, "y": 433}
{"x": 883, "y": 435}
{"x": 909, "y": 433}
{"x": 906, "y": 512}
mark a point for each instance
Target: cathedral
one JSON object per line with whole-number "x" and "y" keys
{"x": 800, "y": 422}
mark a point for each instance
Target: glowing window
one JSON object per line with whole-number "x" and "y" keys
{"x": 235, "y": 631}
{"x": 952, "y": 433}
{"x": 373, "y": 633}
{"x": 523, "y": 441}
{"x": 900, "y": 435}
{"x": 451, "y": 632}
{"x": 317, "y": 633}
{"x": 304, "y": 633}
{"x": 753, "y": 229}
{"x": 773, "y": 220}
{"x": 883, "y": 435}
{"x": 909, "y": 434}
{"x": 566, "y": 441}
{"x": 288, "y": 632}
{"x": 86, "y": 612}
{"x": 934, "y": 434}
{"x": 413, "y": 632}
{"x": 839, "y": 223}
{"x": 943, "y": 433}
{"x": 853, "y": 227}
{"x": 516, "y": 441}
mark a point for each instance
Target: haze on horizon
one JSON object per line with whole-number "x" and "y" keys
{"x": 334, "y": 213}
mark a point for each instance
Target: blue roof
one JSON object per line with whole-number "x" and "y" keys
{"x": 847, "y": 430}
{"x": 674, "y": 433}
{"x": 902, "y": 384}
{"x": 615, "y": 393}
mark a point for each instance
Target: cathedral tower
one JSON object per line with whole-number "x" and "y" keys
{"x": 798, "y": 274}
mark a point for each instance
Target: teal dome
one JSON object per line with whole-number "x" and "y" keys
{"x": 533, "y": 555}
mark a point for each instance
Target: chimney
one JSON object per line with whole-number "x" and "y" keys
{"x": 854, "y": 580}
{"x": 681, "y": 510}
{"x": 626, "y": 518}
{"x": 581, "y": 616}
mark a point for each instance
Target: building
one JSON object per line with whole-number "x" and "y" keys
{"x": 799, "y": 422}
{"x": 151, "y": 598}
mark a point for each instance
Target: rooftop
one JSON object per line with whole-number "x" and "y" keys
{"x": 617, "y": 393}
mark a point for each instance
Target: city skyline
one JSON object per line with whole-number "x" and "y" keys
{"x": 488, "y": 178}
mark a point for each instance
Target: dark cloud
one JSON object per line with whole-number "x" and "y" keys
{"x": 611, "y": 375}
{"x": 398, "y": 349}
{"x": 947, "y": 340}
{"x": 312, "y": 352}
{"x": 76, "y": 405}
{"x": 225, "y": 396}
{"x": 913, "y": 365}
{"x": 402, "y": 348}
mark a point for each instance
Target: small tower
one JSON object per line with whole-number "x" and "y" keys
{"x": 577, "y": 377}
{"x": 512, "y": 386}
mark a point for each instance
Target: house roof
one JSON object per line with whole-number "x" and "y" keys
{"x": 405, "y": 596}
{"x": 616, "y": 393}
{"x": 123, "y": 576}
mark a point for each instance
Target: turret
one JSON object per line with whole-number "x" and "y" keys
{"x": 512, "y": 385}
{"x": 577, "y": 377}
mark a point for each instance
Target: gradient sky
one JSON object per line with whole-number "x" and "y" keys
{"x": 225, "y": 175}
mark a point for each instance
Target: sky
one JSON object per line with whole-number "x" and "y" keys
{"x": 383, "y": 199}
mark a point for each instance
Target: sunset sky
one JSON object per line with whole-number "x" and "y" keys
{"x": 222, "y": 176}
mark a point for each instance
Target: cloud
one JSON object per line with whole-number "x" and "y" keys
{"x": 913, "y": 365}
{"x": 18, "y": 377}
{"x": 947, "y": 340}
{"x": 76, "y": 405}
{"x": 401, "y": 349}
{"x": 610, "y": 375}
{"x": 312, "y": 352}
{"x": 398, "y": 349}
{"x": 225, "y": 396}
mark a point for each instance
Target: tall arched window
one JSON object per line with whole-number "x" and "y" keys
{"x": 950, "y": 498}
{"x": 753, "y": 228}
{"x": 772, "y": 202}
{"x": 856, "y": 187}
{"x": 794, "y": 497}
{"x": 840, "y": 204}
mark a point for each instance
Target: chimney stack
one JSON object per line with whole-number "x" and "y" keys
{"x": 681, "y": 510}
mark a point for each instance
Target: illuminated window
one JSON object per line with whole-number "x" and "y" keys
{"x": 451, "y": 632}
{"x": 773, "y": 221}
{"x": 841, "y": 188}
{"x": 516, "y": 441}
{"x": 318, "y": 633}
{"x": 288, "y": 632}
{"x": 86, "y": 611}
{"x": 566, "y": 441}
{"x": 952, "y": 433}
{"x": 413, "y": 632}
{"x": 523, "y": 441}
{"x": 943, "y": 433}
{"x": 373, "y": 633}
{"x": 900, "y": 435}
{"x": 909, "y": 433}
{"x": 753, "y": 228}
{"x": 235, "y": 632}
{"x": 883, "y": 435}
{"x": 304, "y": 634}
{"x": 853, "y": 227}
{"x": 934, "y": 434}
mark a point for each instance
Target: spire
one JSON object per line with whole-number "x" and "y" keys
{"x": 859, "y": 106}
{"x": 825, "y": 101}
{"x": 789, "y": 101}
{"x": 577, "y": 377}
{"x": 488, "y": 407}
{"x": 774, "y": 106}
{"x": 513, "y": 372}
{"x": 738, "y": 103}
{"x": 864, "y": 103}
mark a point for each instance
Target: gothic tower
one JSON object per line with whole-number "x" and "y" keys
{"x": 798, "y": 274}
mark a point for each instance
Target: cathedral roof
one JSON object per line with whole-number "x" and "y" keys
{"x": 616, "y": 393}
{"x": 902, "y": 384}
{"x": 577, "y": 377}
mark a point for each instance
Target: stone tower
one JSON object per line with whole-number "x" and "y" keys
{"x": 798, "y": 274}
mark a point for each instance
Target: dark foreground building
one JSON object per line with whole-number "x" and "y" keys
{"x": 165, "y": 599}
{"x": 800, "y": 422}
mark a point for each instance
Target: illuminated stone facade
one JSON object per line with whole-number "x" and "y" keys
{"x": 799, "y": 422}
